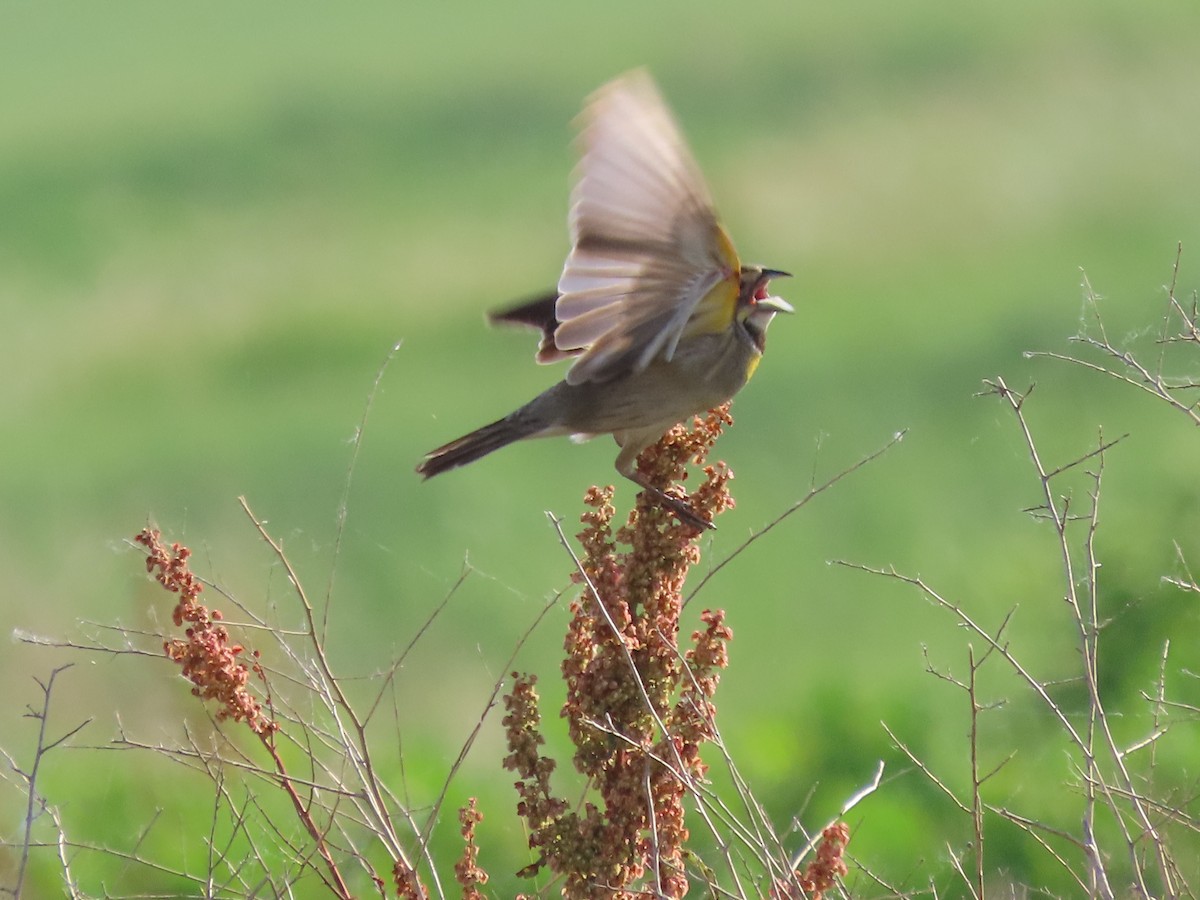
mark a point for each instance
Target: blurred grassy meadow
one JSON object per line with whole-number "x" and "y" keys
{"x": 216, "y": 221}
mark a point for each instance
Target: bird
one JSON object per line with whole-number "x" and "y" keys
{"x": 660, "y": 317}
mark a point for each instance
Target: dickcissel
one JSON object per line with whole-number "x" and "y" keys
{"x": 661, "y": 317}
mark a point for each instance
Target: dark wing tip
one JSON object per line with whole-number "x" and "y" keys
{"x": 535, "y": 313}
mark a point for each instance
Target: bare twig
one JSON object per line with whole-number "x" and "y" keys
{"x": 344, "y": 503}
{"x": 1123, "y": 364}
{"x": 812, "y": 494}
{"x": 34, "y": 804}
{"x": 361, "y": 759}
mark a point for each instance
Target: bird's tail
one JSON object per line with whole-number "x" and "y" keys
{"x": 477, "y": 444}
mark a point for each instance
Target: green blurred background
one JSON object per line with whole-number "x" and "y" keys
{"x": 215, "y": 222}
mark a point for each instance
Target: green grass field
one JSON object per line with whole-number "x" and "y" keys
{"x": 215, "y": 223}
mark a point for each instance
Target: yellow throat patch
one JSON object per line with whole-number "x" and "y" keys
{"x": 715, "y": 311}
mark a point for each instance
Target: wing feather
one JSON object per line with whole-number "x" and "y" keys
{"x": 646, "y": 247}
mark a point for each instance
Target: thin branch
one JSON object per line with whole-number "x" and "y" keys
{"x": 344, "y": 503}
{"x": 362, "y": 757}
{"x": 43, "y": 746}
{"x": 812, "y": 494}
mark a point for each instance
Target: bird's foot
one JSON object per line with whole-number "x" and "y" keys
{"x": 682, "y": 510}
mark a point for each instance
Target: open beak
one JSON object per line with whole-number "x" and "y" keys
{"x": 771, "y": 304}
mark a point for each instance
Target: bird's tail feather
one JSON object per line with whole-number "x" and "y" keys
{"x": 477, "y": 444}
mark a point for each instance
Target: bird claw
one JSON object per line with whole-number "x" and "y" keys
{"x": 683, "y": 511}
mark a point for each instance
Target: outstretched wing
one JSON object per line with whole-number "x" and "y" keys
{"x": 646, "y": 247}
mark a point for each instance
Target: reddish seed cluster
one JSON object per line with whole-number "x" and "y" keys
{"x": 522, "y": 728}
{"x": 408, "y": 884}
{"x": 467, "y": 871}
{"x": 696, "y": 713}
{"x": 636, "y": 717}
{"x": 205, "y": 654}
{"x": 822, "y": 873}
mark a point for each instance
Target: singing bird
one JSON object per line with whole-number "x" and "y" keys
{"x": 662, "y": 319}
